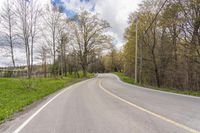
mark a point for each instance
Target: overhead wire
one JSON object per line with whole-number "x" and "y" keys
{"x": 156, "y": 16}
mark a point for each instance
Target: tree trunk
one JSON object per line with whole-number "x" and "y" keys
{"x": 12, "y": 54}
{"x": 11, "y": 43}
{"x": 84, "y": 67}
{"x": 84, "y": 64}
{"x": 156, "y": 70}
{"x": 32, "y": 41}
{"x": 28, "y": 60}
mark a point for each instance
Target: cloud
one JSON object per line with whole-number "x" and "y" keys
{"x": 77, "y": 4}
{"x": 5, "y": 58}
{"x": 116, "y": 12}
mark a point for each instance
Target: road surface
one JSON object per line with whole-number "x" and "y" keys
{"x": 107, "y": 105}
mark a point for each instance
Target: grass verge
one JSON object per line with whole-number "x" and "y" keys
{"x": 14, "y": 96}
{"x": 173, "y": 90}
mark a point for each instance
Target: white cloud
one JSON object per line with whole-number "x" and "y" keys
{"x": 5, "y": 58}
{"x": 116, "y": 12}
{"x": 77, "y": 4}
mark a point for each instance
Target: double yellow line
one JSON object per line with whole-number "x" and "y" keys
{"x": 149, "y": 112}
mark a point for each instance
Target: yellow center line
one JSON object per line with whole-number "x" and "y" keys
{"x": 149, "y": 112}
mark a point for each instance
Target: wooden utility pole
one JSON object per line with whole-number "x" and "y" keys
{"x": 136, "y": 49}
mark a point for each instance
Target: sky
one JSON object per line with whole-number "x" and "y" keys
{"x": 116, "y": 12}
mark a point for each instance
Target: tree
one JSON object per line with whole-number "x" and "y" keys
{"x": 113, "y": 60}
{"x": 63, "y": 40}
{"x": 43, "y": 55}
{"x": 22, "y": 13}
{"x": 89, "y": 36}
{"x": 35, "y": 17}
{"x": 28, "y": 13}
{"x": 8, "y": 23}
{"x": 52, "y": 18}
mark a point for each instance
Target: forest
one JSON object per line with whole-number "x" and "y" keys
{"x": 168, "y": 44}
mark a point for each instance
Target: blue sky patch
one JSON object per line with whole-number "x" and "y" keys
{"x": 84, "y": 0}
{"x": 61, "y": 4}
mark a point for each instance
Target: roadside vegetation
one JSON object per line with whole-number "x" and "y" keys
{"x": 14, "y": 95}
{"x": 129, "y": 80}
{"x": 125, "y": 78}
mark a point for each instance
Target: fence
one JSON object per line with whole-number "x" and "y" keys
{"x": 19, "y": 73}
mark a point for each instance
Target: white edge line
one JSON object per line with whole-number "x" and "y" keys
{"x": 149, "y": 112}
{"x": 40, "y": 109}
{"x": 154, "y": 89}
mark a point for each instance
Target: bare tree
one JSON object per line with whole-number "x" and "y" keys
{"x": 28, "y": 13}
{"x": 63, "y": 40}
{"x": 52, "y": 18}
{"x": 8, "y": 23}
{"x": 89, "y": 36}
{"x": 35, "y": 17}
{"x": 43, "y": 55}
{"x": 23, "y": 29}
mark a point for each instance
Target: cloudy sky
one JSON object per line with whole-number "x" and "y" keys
{"x": 116, "y": 12}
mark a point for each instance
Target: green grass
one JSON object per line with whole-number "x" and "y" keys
{"x": 173, "y": 90}
{"x": 125, "y": 78}
{"x": 14, "y": 95}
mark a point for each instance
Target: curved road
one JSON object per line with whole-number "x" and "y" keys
{"x": 106, "y": 105}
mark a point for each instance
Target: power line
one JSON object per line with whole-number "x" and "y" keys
{"x": 156, "y": 16}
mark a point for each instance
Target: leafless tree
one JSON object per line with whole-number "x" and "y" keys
{"x": 35, "y": 17}
{"x": 43, "y": 55}
{"x": 8, "y": 23}
{"x": 28, "y": 13}
{"x": 63, "y": 40}
{"x": 52, "y": 18}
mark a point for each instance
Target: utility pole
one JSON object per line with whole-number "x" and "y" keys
{"x": 136, "y": 48}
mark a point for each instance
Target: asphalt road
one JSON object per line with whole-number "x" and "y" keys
{"x": 106, "y": 105}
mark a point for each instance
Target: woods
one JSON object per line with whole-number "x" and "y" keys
{"x": 168, "y": 49}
